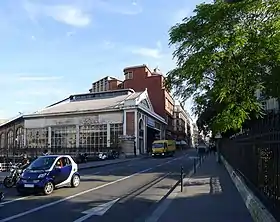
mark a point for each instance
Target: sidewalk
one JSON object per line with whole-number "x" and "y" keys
{"x": 208, "y": 196}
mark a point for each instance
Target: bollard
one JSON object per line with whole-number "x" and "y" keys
{"x": 182, "y": 178}
{"x": 194, "y": 165}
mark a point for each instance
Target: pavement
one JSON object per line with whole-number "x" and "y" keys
{"x": 208, "y": 196}
{"x": 127, "y": 191}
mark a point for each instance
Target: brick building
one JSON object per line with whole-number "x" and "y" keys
{"x": 140, "y": 78}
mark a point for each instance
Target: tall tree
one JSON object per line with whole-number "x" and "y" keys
{"x": 224, "y": 53}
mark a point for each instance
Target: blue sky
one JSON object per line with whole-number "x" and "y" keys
{"x": 53, "y": 48}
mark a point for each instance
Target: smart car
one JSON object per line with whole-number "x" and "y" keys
{"x": 47, "y": 173}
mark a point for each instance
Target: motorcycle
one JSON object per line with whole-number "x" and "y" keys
{"x": 13, "y": 177}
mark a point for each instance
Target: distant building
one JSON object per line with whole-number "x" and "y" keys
{"x": 195, "y": 135}
{"x": 267, "y": 104}
{"x": 105, "y": 84}
{"x": 91, "y": 123}
{"x": 182, "y": 124}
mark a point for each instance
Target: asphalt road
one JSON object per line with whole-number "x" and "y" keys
{"x": 124, "y": 192}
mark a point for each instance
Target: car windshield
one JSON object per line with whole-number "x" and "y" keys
{"x": 42, "y": 163}
{"x": 158, "y": 145}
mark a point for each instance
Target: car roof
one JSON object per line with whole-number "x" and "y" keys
{"x": 57, "y": 156}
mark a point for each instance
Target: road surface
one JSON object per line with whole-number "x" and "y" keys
{"x": 124, "y": 192}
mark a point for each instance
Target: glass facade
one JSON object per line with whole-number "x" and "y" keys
{"x": 2, "y": 141}
{"x": 10, "y": 142}
{"x": 19, "y": 138}
{"x": 63, "y": 139}
{"x": 36, "y": 138}
{"x": 116, "y": 130}
{"x": 93, "y": 138}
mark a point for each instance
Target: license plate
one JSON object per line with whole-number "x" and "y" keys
{"x": 29, "y": 185}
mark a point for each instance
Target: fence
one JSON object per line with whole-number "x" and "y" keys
{"x": 256, "y": 155}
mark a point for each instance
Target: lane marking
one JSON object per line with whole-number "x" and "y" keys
{"x": 11, "y": 201}
{"x": 80, "y": 193}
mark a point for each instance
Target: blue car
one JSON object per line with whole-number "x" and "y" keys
{"x": 47, "y": 173}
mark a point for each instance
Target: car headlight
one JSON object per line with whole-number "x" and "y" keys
{"x": 42, "y": 175}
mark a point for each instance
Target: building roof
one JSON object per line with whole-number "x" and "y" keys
{"x": 108, "y": 100}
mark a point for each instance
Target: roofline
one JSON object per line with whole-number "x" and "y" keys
{"x": 137, "y": 66}
{"x": 11, "y": 120}
{"x": 38, "y": 115}
{"x": 108, "y": 91}
{"x": 58, "y": 102}
{"x": 153, "y": 114}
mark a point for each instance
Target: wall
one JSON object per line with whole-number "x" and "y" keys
{"x": 12, "y": 126}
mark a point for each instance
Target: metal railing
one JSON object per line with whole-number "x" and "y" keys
{"x": 255, "y": 154}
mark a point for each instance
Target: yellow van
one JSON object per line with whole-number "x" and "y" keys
{"x": 163, "y": 148}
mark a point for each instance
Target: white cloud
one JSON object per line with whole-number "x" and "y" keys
{"x": 39, "y": 78}
{"x": 125, "y": 8}
{"x": 147, "y": 52}
{"x": 33, "y": 38}
{"x": 41, "y": 92}
{"x": 67, "y": 14}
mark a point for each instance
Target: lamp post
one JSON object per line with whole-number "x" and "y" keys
{"x": 218, "y": 137}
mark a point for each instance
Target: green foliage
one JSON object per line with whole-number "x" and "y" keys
{"x": 224, "y": 53}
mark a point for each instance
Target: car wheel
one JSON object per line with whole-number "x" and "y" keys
{"x": 48, "y": 188}
{"x": 75, "y": 182}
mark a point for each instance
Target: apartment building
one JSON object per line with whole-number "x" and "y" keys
{"x": 105, "y": 84}
{"x": 182, "y": 124}
{"x": 140, "y": 78}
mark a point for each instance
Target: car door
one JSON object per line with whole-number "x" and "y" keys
{"x": 66, "y": 169}
{"x": 57, "y": 171}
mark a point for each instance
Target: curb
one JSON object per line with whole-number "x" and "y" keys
{"x": 257, "y": 210}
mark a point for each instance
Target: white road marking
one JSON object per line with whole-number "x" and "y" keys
{"x": 11, "y": 201}
{"x": 80, "y": 193}
{"x": 98, "y": 211}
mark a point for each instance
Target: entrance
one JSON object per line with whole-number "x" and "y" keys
{"x": 141, "y": 136}
{"x": 152, "y": 135}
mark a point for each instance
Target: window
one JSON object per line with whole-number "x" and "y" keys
{"x": 10, "y": 142}
{"x": 116, "y": 130}
{"x": 37, "y": 138}
{"x": 63, "y": 139}
{"x": 2, "y": 141}
{"x": 19, "y": 137}
{"x": 93, "y": 138}
{"x": 128, "y": 75}
{"x": 66, "y": 161}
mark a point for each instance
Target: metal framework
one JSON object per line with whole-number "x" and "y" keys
{"x": 256, "y": 155}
